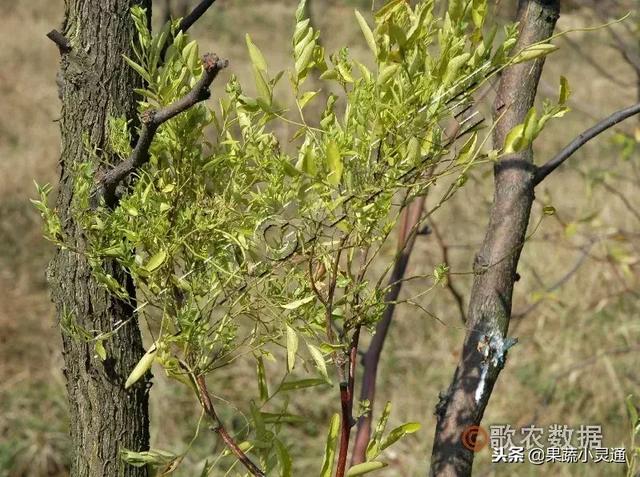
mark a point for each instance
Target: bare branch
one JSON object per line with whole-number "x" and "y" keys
{"x": 151, "y": 121}
{"x": 195, "y": 14}
{"x": 564, "y": 279}
{"x": 543, "y": 171}
{"x": 207, "y": 405}
{"x": 455, "y": 293}
{"x": 59, "y": 39}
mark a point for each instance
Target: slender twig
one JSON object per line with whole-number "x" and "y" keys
{"x": 455, "y": 293}
{"x": 598, "y": 66}
{"x": 151, "y": 120}
{"x": 543, "y": 171}
{"x": 624, "y": 200}
{"x": 564, "y": 279}
{"x": 207, "y": 405}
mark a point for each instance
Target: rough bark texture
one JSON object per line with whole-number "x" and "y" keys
{"x": 95, "y": 83}
{"x": 495, "y": 265}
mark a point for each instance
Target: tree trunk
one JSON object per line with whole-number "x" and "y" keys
{"x": 95, "y": 83}
{"x": 495, "y": 265}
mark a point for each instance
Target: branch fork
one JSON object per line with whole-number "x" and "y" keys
{"x": 151, "y": 120}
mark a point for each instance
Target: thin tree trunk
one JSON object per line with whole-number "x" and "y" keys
{"x": 495, "y": 265}
{"x": 371, "y": 359}
{"x": 95, "y": 83}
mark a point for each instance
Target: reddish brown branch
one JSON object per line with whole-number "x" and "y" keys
{"x": 406, "y": 239}
{"x": 346, "y": 403}
{"x": 207, "y": 405}
{"x": 151, "y": 120}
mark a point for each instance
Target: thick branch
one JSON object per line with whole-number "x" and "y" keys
{"x": 543, "y": 171}
{"x": 59, "y": 39}
{"x": 205, "y": 400}
{"x": 486, "y": 344}
{"x": 195, "y": 14}
{"x": 151, "y": 121}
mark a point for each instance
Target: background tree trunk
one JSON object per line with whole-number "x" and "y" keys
{"x": 495, "y": 265}
{"x": 95, "y": 83}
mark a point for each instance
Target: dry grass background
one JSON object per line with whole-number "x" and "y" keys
{"x": 578, "y": 353}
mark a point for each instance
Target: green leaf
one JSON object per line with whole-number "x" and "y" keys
{"x": 344, "y": 72}
{"x": 283, "y": 458}
{"x": 413, "y": 150}
{"x": 368, "y": 34}
{"x": 309, "y": 162}
{"x": 531, "y": 130}
{"x": 365, "y": 468}
{"x": 533, "y": 52}
{"x": 321, "y": 364}
{"x": 100, "y": 351}
{"x": 301, "y": 10}
{"x": 302, "y": 384}
{"x": 453, "y": 68}
{"x": 305, "y": 58}
{"x": 154, "y": 457}
{"x": 633, "y": 414}
{"x": 330, "y": 448}
{"x": 306, "y": 97}
{"x": 156, "y": 261}
{"x": 456, "y": 9}
{"x": 274, "y": 418}
{"x": 262, "y": 85}
{"x": 373, "y": 448}
{"x": 292, "y": 348}
{"x": 256, "y": 55}
{"x": 190, "y": 55}
{"x": 142, "y": 367}
{"x": 301, "y": 31}
{"x": 399, "y": 432}
{"x": 565, "y": 90}
{"x": 262, "y": 380}
{"x": 334, "y": 161}
{"x": 139, "y": 69}
{"x": 467, "y": 150}
{"x": 513, "y": 141}
{"x": 549, "y": 210}
{"x": 478, "y": 12}
{"x": 386, "y": 72}
{"x": 298, "y": 303}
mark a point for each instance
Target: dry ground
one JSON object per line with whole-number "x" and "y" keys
{"x": 577, "y": 356}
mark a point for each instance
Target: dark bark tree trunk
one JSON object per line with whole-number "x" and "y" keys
{"x": 495, "y": 265}
{"x": 95, "y": 83}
